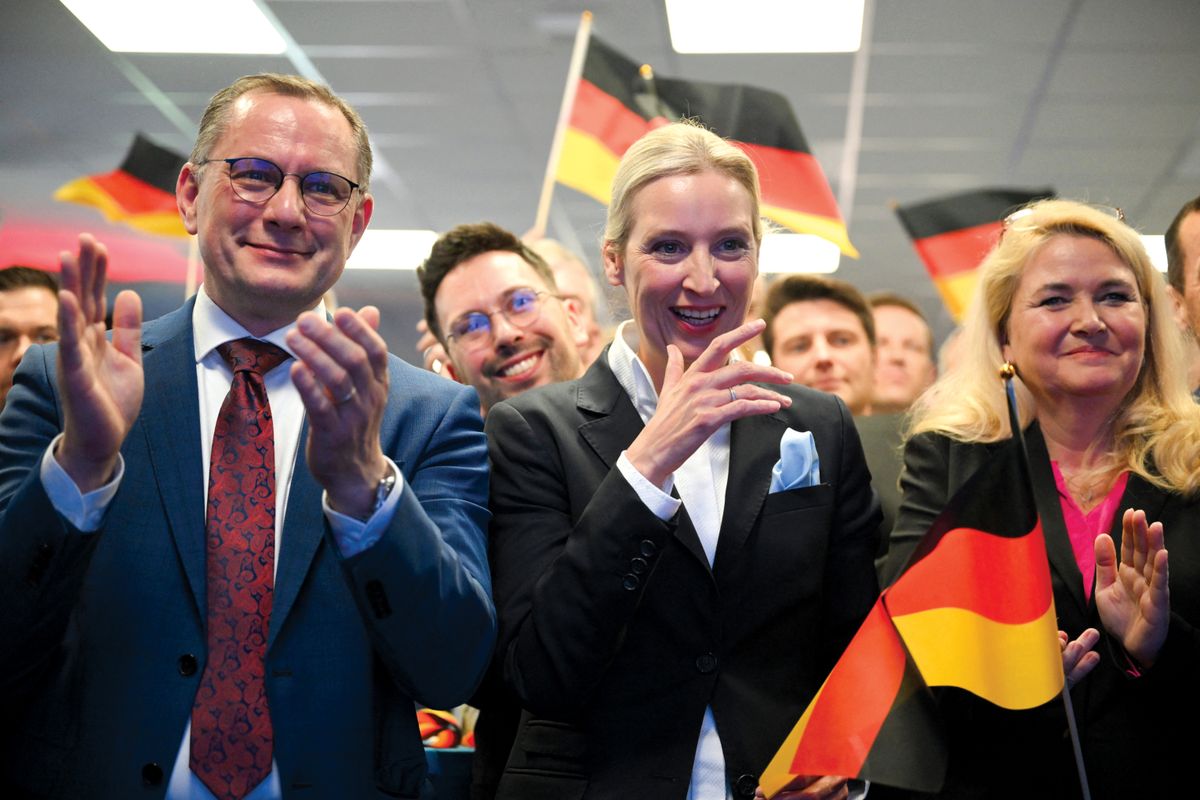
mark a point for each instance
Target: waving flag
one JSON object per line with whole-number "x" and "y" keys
{"x": 139, "y": 193}
{"x": 974, "y": 609}
{"x": 617, "y": 100}
{"x": 953, "y": 234}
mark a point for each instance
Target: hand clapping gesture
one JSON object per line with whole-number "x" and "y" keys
{"x": 101, "y": 381}
{"x": 1133, "y": 597}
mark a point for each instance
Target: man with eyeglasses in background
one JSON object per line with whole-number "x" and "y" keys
{"x": 493, "y": 304}
{"x": 237, "y": 544}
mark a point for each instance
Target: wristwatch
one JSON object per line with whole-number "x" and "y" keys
{"x": 386, "y": 484}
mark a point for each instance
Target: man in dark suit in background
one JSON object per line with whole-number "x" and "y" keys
{"x": 161, "y": 645}
{"x": 1182, "y": 240}
{"x": 28, "y": 316}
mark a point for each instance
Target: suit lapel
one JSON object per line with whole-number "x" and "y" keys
{"x": 171, "y": 423}
{"x": 753, "y": 450}
{"x": 303, "y": 531}
{"x": 611, "y": 424}
{"x": 1058, "y": 542}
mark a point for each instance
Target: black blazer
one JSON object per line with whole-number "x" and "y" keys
{"x": 1126, "y": 725}
{"x": 616, "y": 634}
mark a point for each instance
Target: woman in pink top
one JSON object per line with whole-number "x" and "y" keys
{"x": 1069, "y": 297}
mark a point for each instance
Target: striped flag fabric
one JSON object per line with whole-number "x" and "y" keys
{"x": 952, "y": 235}
{"x": 974, "y": 609}
{"x": 139, "y": 193}
{"x": 617, "y": 101}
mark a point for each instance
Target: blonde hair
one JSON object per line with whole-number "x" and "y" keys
{"x": 681, "y": 148}
{"x": 216, "y": 117}
{"x": 1156, "y": 429}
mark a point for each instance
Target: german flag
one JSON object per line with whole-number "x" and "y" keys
{"x": 953, "y": 234}
{"x": 615, "y": 103}
{"x": 140, "y": 193}
{"x": 973, "y": 609}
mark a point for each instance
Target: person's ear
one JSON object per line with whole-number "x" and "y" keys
{"x": 187, "y": 189}
{"x": 614, "y": 264}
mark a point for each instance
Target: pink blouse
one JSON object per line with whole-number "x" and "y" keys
{"x": 1083, "y": 528}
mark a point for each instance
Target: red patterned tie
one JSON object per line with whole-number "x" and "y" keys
{"x": 232, "y": 739}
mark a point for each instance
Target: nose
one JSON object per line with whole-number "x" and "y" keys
{"x": 821, "y": 350}
{"x": 23, "y": 344}
{"x": 1089, "y": 322}
{"x": 503, "y": 331}
{"x": 701, "y": 276}
{"x": 286, "y": 207}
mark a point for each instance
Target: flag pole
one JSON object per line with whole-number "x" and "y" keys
{"x": 578, "y": 55}
{"x": 192, "y": 279}
{"x": 1008, "y": 372}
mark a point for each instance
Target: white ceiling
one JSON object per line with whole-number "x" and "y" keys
{"x": 1098, "y": 98}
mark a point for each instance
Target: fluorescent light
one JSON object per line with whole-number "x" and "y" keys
{"x": 798, "y": 252}
{"x": 1156, "y": 246}
{"x": 392, "y": 249}
{"x": 175, "y": 26}
{"x": 765, "y": 26}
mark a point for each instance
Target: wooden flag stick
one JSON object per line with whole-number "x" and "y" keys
{"x": 578, "y": 55}
{"x": 192, "y": 280}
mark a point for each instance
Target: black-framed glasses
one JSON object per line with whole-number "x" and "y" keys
{"x": 257, "y": 180}
{"x": 520, "y": 306}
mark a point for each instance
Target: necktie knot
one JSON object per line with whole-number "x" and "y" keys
{"x": 253, "y": 355}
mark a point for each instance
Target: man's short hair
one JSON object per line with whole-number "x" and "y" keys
{"x": 802, "y": 288}
{"x": 878, "y": 299}
{"x": 12, "y": 278}
{"x": 216, "y": 116}
{"x": 1175, "y": 265}
{"x": 463, "y": 243}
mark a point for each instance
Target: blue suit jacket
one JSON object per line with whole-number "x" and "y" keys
{"x": 102, "y": 639}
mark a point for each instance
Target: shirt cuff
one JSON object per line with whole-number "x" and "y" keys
{"x": 659, "y": 501}
{"x": 354, "y": 535}
{"x": 84, "y": 511}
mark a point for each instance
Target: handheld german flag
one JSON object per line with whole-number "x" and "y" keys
{"x": 974, "y": 609}
{"x": 953, "y": 234}
{"x": 139, "y": 193}
{"x": 617, "y": 100}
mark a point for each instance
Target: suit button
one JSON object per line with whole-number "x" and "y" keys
{"x": 648, "y": 548}
{"x": 707, "y": 664}
{"x": 629, "y": 582}
{"x": 152, "y": 774}
{"x": 639, "y": 566}
{"x": 745, "y": 785}
{"x": 187, "y": 665}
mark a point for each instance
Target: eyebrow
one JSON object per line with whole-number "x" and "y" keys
{"x": 1066, "y": 287}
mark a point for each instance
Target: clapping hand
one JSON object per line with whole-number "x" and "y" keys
{"x": 101, "y": 381}
{"x": 1133, "y": 597}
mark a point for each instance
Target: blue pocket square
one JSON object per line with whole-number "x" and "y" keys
{"x": 798, "y": 463}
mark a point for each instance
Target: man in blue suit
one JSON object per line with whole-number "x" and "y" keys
{"x": 148, "y": 646}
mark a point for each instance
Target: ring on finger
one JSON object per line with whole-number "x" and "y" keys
{"x": 732, "y": 395}
{"x": 347, "y": 397}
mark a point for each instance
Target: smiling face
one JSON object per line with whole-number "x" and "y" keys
{"x": 513, "y": 359}
{"x": 689, "y": 264}
{"x": 1077, "y": 328}
{"x": 825, "y": 346}
{"x": 265, "y": 263}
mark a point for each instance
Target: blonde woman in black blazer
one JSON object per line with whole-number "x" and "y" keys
{"x": 648, "y": 639}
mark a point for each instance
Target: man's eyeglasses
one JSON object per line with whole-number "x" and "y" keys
{"x": 521, "y": 307}
{"x": 257, "y": 180}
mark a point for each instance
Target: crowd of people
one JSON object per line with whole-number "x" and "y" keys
{"x": 239, "y": 543}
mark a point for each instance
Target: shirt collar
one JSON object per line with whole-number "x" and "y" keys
{"x": 212, "y": 327}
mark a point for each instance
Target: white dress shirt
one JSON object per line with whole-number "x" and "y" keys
{"x": 701, "y": 482}
{"x": 211, "y": 327}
